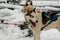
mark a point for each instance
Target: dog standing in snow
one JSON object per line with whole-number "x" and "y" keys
{"x": 34, "y": 20}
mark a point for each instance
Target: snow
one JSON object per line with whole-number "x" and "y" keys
{"x": 45, "y": 5}
{"x": 52, "y": 34}
{"x": 12, "y": 32}
{"x": 11, "y": 15}
{"x": 10, "y": 6}
{"x": 2, "y": 0}
{"x": 38, "y": 3}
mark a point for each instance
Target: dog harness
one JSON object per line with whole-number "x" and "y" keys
{"x": 51, "y": 19}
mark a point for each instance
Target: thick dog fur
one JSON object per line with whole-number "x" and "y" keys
{"x": 36, "y": 21}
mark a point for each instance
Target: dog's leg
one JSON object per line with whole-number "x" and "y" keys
{"x": 36, "y": 34}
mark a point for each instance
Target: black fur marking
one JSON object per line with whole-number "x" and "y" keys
{"x": 31, "y": 3}
{"x": 33, "y": 10}
{"x": 29, "y": 15}
{"x": 26, "y": 4}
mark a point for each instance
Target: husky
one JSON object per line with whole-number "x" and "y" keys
{"x": 36, "y": 20}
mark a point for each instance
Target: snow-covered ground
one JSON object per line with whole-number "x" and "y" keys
{"x": 41, "y": 3}
{"x": 12, "y": 32}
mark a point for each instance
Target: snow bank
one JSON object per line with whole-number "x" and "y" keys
{"x": 52, "y": 34}
{"x": 11, "y": 32}
{"x": 12, "y": 16}
{"x": 11, "y": 6}
{"x": 41, "y": 3}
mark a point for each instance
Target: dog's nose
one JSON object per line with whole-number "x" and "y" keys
{"x": 36, "y": 21}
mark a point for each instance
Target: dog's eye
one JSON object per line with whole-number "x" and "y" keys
{"x": 31, "y": 16}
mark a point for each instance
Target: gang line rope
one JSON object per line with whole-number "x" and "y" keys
{"x": 12, "y": 23}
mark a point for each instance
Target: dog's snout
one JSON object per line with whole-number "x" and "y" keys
{"x": 36, "y": 21}
{"x": 29, "y": 20}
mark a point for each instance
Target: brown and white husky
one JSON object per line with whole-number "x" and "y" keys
{"x": 35, "y": 20}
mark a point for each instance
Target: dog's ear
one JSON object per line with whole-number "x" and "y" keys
{"x": 34, "y": 9}
{"x": 26, "y": 4}
{"x": 31, "y": 3}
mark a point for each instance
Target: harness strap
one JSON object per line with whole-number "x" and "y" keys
{"x": 51, "y": 20}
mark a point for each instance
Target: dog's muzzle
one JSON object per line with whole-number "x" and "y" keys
{"x": 33, "y": 24}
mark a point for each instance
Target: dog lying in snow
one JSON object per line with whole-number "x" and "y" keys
{"x": 36, "y": 21}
